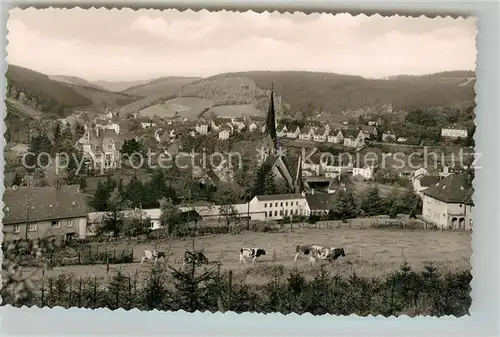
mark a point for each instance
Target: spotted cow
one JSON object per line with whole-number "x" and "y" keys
{"x": 251, "y": 253}
{"x": 152, "y": 255}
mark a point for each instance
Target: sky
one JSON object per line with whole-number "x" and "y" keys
{"x": 121, "y": 45}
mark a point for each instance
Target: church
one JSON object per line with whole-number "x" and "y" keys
{"x": 273, "y": 153}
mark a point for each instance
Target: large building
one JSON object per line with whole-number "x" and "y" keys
{"x": 277, "y": 206}
{"x": 38, "y": 212}
{"x": 448, "y": 203}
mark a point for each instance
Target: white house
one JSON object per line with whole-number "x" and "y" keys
{"x": 321, "y": 135}
{"x": 388, "y": 136}
{"x": 307, "y": 133}
{"x": 201, "y": 128}
{"x": 293, "y": 134}
{"x": 335, "y": 137}
{"x": 225, "y": 132}
{"x": 453, "y": 133}
{"x": 101, "y": 147}
{"x": 253, "y": 127}
{"x": 366, "y": 172}
{"x": 147, "y": 125}
{"x": 353, "y": 138}
{"x": 283, "y": 132}
{"x": 277, "y": 206}
{"x": 448, "y": 203}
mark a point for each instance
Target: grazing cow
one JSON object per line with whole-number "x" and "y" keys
{"x": 251, "y": 253}
{"x": 196, "y": 258}
{"x": 335, "y": 253}
{"x": 153, "y": 255}
{"x": 307, "y": 250}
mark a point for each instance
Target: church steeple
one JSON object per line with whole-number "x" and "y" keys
{"x": 299, "y": 182}
{"x": 271, "y": 120}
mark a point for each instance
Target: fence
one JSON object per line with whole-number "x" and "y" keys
{"x": 88, "y": 256}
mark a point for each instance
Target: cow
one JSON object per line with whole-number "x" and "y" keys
{"x": 152, "y": 255}
{"x": 196, "y": 258}
{"x": 251, "y": 252}
{"x": 305, "y": 250}
{"x": 335, "y": 253}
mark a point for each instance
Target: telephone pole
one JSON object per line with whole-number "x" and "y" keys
{"x": 28, "y": 207}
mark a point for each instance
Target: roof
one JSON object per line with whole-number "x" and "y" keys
{"x": 452, "y": 189}
{"x": 47, "y": 203}
{"x": 368, "y": 128}
{"x": 272, "y": 197}
{"x": 427, "y": 181}
{"x": 350, "y": 133}
{"x": 321, "y": 201}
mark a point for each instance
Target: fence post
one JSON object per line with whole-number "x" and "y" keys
{"x": 79, "y": 257}
{"x": 129, "y": 294}
{"x": 50, "y": 290}
{"x": 229, "y": 290}
{"x": 107, "y": 266}
{"x": 80, "y": 293}
{"x": 43, "y": 293}
{"x": 95, "y": 291}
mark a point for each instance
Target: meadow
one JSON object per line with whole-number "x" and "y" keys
{"x": 370, "y": 252}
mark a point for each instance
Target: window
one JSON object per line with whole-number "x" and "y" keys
{"x": 276, "y": 204}
{"x": 110, "y": 146}
{"x": 16, "y": 228}
{"x": 286, "y": 212}
{"x": 55, "y": 224}
{"x": 281, "y": 212}
{"x": 281, "y": 204}
{"x": 296, "y": 212}
{"x": 265, "y": 204}
{"x": 270, "y": 213}
{"x": 296, "y": 203}
{"x": 32, "y": 227}
{"x": 275, "y": 213}
{"x": 70, "y": 223}
{"x": 286, "y": 203}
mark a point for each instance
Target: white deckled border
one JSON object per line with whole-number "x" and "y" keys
{"x": 485, "y": 259}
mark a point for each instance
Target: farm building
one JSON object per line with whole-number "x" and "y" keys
{"x": 276, "y": 206}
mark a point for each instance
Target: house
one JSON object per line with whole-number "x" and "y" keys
{"x": 106, "y": 125}
{"x": 48, "y": 211}
{"x": 214, "y": 125}
{"x": 225, "y": 132}
{"x": 148, "y": 124}
{"x": 102, "y": 148}
{"x": 388, "y": 136}
{"x": 453, "y": 133}
{"x": 353, "y": 138}
{"x": 325, "y": 163}
{"x": 321, "y": 135}
{"x": 335, "y": 137}
{"x": 320, "y": 203}
{"x": 448, "y": 203}
{"x": 252, "y": 127}
{"x": 283, "y": 132}
{"x": 277, "y": 206}
{"x": 307, "y": 133}
{"x": 201, "y": 128}
{"x": 369, "y": 131}
{"x": 423, "y": 182}
{"x": 367, "y": 172}
{"x": 293, "y": 134}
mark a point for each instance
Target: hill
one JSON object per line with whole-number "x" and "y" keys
{"x": 307, "y": 91}
{"x": 118, "y": 86}
{"x": 74, "y": 80}
{"x": 160, "y": 87}
{"x": 40, "y": 93}
{"x": 102, "y": 99}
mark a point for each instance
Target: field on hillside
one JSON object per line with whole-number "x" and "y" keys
{"x": 161, "y": 87}
{"x": 369, "y": 252}
{"x": 188, "y": 107}
{"x": 235, "y": 111}
{"x": 105, "y": 98}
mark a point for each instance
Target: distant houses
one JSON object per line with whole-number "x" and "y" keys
{"x": 454, "y": 133}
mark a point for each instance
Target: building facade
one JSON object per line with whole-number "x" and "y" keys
{"x": 277, "y": 206}
{"x": 39, "y": 212}
{"x": 448, "y": 203}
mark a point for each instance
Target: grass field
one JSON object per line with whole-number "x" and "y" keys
{"x": 369, "y": 252}
{"x": 235, "y": 111}
{"x": 188, "y": 107}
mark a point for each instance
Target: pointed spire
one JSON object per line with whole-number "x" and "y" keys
{"x": 271, "y": 120}
{"x": 299, "y": 182}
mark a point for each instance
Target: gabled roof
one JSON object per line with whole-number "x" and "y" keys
{"x": 321, "y": 201}
{"x": 452, "y": 189}
{"x": 350, "y": 133}
{"x": 279, "y": 197}
{"x": 427, "y": 181}
{"x": 41, "y": 199}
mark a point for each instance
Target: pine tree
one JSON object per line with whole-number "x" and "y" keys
{"x": 18, "y": 180}
{"x": 372, "y": 203}
{"x": 134, "y": 192}
{"x": 264, "y": 181}
{"x": 100, "y": 199}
